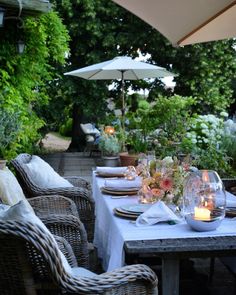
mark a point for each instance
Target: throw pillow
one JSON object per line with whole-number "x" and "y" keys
{"x": 44, "y": 175}
{"x": 10, "y": 190}
{"x": 22, "y": 211}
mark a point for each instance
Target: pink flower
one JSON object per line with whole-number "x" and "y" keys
{"x": 157, "y": 192}
{"x": 166, "y": 184}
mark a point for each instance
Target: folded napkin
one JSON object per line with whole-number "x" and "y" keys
{"x": 123, "y": 183}
{"x": 156, "y": 213}
{"x": 230, "y": 200}
{"x": 111, "y": 170}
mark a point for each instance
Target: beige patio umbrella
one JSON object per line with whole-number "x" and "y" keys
{"x": 124, "y": 68}
{"x": 185, "y": 22}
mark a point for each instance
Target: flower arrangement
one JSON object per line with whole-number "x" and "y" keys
{"x": 166, "y": 182}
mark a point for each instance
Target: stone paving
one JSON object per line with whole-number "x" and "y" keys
{"x": 194, "y": 277}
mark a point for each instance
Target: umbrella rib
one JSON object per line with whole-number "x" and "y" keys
{"x": 135, "y": 75}
{"x": 94, "y": 74}
{"x": 206, "y": 22}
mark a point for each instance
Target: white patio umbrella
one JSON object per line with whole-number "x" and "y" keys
{"x": 185, "y": 22}
{"x": 124, "y": 68}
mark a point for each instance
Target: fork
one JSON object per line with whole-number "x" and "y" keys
{"x": 120, "y": 197}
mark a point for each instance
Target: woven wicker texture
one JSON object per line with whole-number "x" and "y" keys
{"x": 230, "y": 184}
{"x": 30, "y": 264}
{"x": 80, "y": 194}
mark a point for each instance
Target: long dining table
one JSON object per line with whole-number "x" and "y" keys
{"x": 119, "y": 239}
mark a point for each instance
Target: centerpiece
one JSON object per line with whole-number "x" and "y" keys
{"x": 163, "y": 180}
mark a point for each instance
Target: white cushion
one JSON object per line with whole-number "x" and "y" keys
{"x": 90, "y": 138}
{"x": 10, "y": 190}
{"x": 22, "y": 211}
{"x": 89, "y": 129}
{"x": 82, "y": 272}
{"x": 44, "y": 175}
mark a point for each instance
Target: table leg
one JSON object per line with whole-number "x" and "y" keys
{"x": 170, "y": 276}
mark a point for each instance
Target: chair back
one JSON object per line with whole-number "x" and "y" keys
{"x": 29, "y": 187}
{"x": 28, "y": 260}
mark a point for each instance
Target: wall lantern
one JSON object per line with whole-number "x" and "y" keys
{"x": 2, "y": 13}
{"x": 20, "y": 46}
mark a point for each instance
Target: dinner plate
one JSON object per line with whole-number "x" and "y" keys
{"x": 104, "y": 174}
{"x": 121, "y": 189}
{"x": 119, "y": 212}
{"x": 230, "y": 212}
{"x": 118, "y": 193}
{"x": 136, "y": 208}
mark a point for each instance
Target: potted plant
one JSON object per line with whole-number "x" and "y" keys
{"x": 110, "y": 147}
{"x": 135, "y": 144}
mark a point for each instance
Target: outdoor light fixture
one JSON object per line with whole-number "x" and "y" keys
{"x": 2, "y": 13}
{"x": 109, "y": 130}
{"x": 3, "y": 17}
{"x": 20, "y": 46}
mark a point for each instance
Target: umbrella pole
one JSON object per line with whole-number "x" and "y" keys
{"x": 123, "y": 109}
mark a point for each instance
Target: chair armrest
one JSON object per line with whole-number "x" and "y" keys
{"x": 72, "y": 229}
{"x": 133, "y": 279}
{"x": 79, "y": 182}
{"x": 53, "y": 204}
{"x": 66, "y": 249}
{"x": 230, "y": 184}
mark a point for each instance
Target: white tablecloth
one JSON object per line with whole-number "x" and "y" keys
{"x": 111, "y": 232}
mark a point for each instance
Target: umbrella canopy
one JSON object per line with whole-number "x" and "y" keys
{"x": 121, "y": 67}
{"x": 124, "y": 68}
{"x": 185, "y": 22}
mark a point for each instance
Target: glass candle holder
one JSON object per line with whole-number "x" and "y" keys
{"x": 204, "y": 200}
{"x": 130, "y": 173}
{"x": 145, "y": 196}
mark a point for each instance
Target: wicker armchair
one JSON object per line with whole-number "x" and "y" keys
{"x": 80, "y": 193}
{"x": 61, "y": 217}
{"x": 230, "y": 184}
{"x": 30, "y": 264}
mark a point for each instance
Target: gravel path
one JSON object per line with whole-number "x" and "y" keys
{"x": 52, "y": 142}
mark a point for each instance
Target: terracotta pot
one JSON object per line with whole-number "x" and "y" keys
{"x": 128, "y": 159}
{"x": 2, "y": 164}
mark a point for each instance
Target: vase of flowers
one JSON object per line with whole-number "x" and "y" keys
{"x": 165, "y": 183}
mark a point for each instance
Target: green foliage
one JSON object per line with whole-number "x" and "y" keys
{"x": 172, "y": 115}
{"x": 213, "y": 158}
{"x": 65, "y": 129}
{"x": 9, "y": 129}
{"x": 228, "y": 144}
{"x": 23, "y": 77}
{"x": 205, "y": 72}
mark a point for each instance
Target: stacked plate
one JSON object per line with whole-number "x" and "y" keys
{"x": 131, "y": 211}
{"x": 108, "y": 175}
{"x": 120, "y": 191}
{"x": 230, "y": 211}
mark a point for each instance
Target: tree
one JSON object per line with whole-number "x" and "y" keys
{"x": 100, "y": 30}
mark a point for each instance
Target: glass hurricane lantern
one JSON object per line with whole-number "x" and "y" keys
{"x": 204, "y": 200}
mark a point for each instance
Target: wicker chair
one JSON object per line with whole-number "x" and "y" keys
{"x": 80, "y": 193}
{"x": 30, "y": 264}
{"x": 230, "y": 184}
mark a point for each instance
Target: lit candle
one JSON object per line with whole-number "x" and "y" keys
{"x": 201, "y": 213}
{"x": 109, "y": 130}
{"x": 205, "y": 176}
